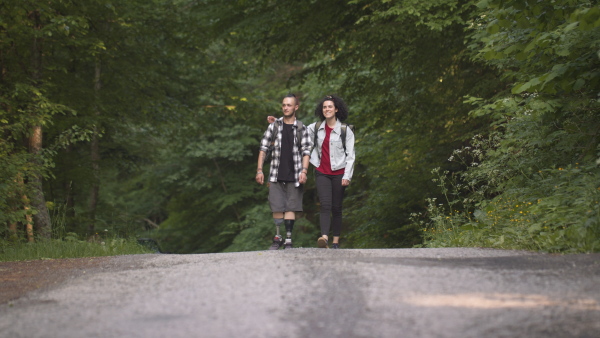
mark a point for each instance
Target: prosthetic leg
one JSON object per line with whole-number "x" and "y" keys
{"x": 278, "y": 239}
{"x": 289, "y": 226}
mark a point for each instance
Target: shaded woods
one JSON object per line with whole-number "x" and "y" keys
{"x": 477, "y": 121}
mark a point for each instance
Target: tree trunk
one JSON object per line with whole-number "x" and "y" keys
{"x": 13, "y": 225}
{"x": 70, "y": 199}
{"x": 42, "y": 218}
{"x": 29, "y": 221}
{"x": 95, "y": 190}
{"x": 26, "y": 206}
{"x": 95, "y": 155}
{"x": 12, "y": 228}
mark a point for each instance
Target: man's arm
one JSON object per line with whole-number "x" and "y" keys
{"x": 265, "y": 142}
{"x": 304, "y": 172}
{"x": 260, "y": 176}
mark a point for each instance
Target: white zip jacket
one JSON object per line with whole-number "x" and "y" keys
{"x": 339, "y": 159}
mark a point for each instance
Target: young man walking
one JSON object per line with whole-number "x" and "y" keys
{"x": 290, "y": 154}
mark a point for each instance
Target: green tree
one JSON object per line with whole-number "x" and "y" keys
{"x": 29, "y": 31}
{"x": 403, "y": 67}
{"x": 536, "y": 179}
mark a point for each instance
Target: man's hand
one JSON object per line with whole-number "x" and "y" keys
{"x": 260, "y": 178}
{"x": 302, "y": 178}
{"x": 270, "y": 119}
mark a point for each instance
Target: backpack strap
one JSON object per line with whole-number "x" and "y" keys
{"x": 344, "y": 126}
{"x": 299, "y": 132}
{"x": 317, "y": 125}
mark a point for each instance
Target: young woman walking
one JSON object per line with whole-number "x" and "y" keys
{"x": 333, "y": 157}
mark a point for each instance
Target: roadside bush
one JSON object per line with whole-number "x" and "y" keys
{"x": 525, "y": 190}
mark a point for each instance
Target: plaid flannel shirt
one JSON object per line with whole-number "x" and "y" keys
{"x": 276, "y": 154}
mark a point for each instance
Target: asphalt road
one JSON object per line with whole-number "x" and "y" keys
{"x": 320, "y": 293}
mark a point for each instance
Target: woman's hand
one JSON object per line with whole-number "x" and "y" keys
{"x": 345, "y": 183}
{"x": 270, "y": 119}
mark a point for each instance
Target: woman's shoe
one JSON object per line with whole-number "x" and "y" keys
{"x": 322, "y": 242}
{"x": 335, "y": 246}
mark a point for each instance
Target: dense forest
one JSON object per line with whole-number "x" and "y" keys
{"x": 477, "y": 122}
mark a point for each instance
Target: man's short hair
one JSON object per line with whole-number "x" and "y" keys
{"x": 294, "y": 96}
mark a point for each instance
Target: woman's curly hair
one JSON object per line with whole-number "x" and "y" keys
{"x": 340, "y": 105}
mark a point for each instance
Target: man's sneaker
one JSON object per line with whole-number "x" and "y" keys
{"x": 288, "y": 244}
{"x": 335, "y": 246}
{"x": 277, "y": 243}
{"x": 322, "y": 242}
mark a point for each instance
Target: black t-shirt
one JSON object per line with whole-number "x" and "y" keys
{"x": 286, "y": 161}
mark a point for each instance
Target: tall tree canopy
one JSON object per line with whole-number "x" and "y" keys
{"x": 151, "y": 114}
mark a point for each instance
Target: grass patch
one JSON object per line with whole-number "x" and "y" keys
{"x": 53, "y": 249}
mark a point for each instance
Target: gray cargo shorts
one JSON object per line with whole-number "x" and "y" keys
{"x": 284, "y": 196}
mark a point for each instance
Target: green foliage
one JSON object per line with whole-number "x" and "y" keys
{"x": 532, "y": 181}
{"x": 559, "y": 211}
{"x": 70, "y": 247}
{"x": 176, "y": 92}
{"x": 544, "y": 46}
{"x": 404, "y": 102}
